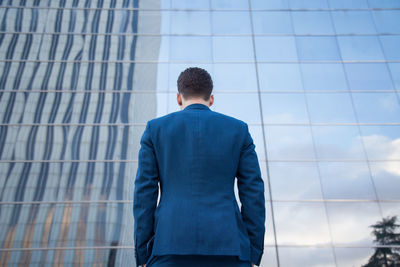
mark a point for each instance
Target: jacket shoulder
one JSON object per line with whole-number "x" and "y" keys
{"x": 233, "y": 120}
{"x": 214, "y": 115}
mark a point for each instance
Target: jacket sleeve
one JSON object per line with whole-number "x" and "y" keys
{"x": 145, "y": 197}
{"x": 251, "y": 194}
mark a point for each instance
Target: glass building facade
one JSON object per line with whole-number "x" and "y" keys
{"x": 318, "y": 82}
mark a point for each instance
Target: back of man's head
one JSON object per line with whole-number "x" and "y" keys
{"x": 195, "y": 82}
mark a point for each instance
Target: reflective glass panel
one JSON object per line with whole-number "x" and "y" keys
{"x": 302, "y": 223}
{"x": 275, "y": 76}
{"x": 308, "y": 4}
{"x": 338, "y": 142}
{"x": 239, "y": 22}
{"x": 386, "y": 177}
{"x": 323, "y": 107}
{"x": 306, "y": 256}
{"x": 391, "y": 44}
{"x": 352, "y": 256}
{"x": 384, "y": 3}
{"x": 190, "y": 22}
{"x": 232, "y": 48}
{"x": 387, "y": 21}
{"x": 390, "y": 209}
{"x": 190, "y": 48}
{"x": 243, "y": 106}
{"x": 360, "y": 48}
{"x": 231, "y": 77}
{"x": 350, "y": 222}
{"x": 377, "y": 107}
{"x": 190, "y": 4}
{"x": 277, "y": 22}
{"x": 395, "y": 74}
{"x": 276, "y": 48}
{"x": 348, "y": 3}
{"x": 284, "y": 108}
{"x": 289, "y": 142}
{"x": 229, "y": 4}
{"x": 272, "y": 4}
{"x": 269, "y": 256}
{"x": 312, "y": 22}
{"x": 381, "y": 141}
{"x": 325, "y": 76}
{"x": 346, "y": 180}
{"x": 317, "y": 48}
{"x": 294, "y": 180}
{"x": 368, "y": 76}
{"x": 353, "y": 22}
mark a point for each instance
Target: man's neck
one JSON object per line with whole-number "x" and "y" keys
{"x": 187, "y": 103}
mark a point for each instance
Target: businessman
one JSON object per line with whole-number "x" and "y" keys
{"x": 193, "y": 156}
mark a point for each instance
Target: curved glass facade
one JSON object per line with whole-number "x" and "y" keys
{"x": 317, "y": 81}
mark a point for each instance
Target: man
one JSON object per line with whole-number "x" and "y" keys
{"x": 195, "y": 155}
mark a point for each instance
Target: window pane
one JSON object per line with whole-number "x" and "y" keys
{"x": 360, "y": 48}
{"x": 289, "y": 142}
{"x": 390, "y": 209}
{"x": 270, "y": 4}
{"x": 377, "y": 107}
{"x": 276, "y": 48}
{"x": 317, "y": 48}
{"x": 294, "y": 181}
{"x": 312, "y": 22}
{"x": 258, "y": 140}
{"x": 230, "y": 4}
{"x": 269, "y": 256}
{"x": 148, "y": 48}
{"x": 368, "y": 76}
{"x": 306, "y": 256}
{"x": 301, "y": 224}
{"x": 189, "y": 4}
{"x": 230, "y": 77}
{"x": 348, "y": 4}
{"x": 308, "y": 4}
{"x": 239, "y": 22}
{"x": 190, "y": 48}
{"x": 384, "y": 3}
{"x": 353, "y": 22}
{"x": 338, "y": 142}
{"x": 272, "y": 22}
{"x": 391, "y": 45}
{"x": 353, "y": 256}
{"x": 190, "y": 22}
{"x": 323, "y": 76}
{"x": 395, "y": 74}
{"x": 386, "y": 177}
{"x": 233, "y": 49}
{"x": 350, "y": 222}
{"x": 381, "y": 142}
{"x": 242, "y": 106}
{"x": 275, "y": 76}
{"x": 339, "y": 182}
{"x": 150, "y": 22}
{"x": 284, "y": 108}
{"x": 323, "y": 107}
{"x": 387, "y": 21}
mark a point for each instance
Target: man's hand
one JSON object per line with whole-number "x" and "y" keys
{"x": 252, "y": 265}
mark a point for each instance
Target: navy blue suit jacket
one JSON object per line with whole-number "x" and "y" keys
{"x": 194, "y": 156}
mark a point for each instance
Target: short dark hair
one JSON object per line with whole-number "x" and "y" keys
{"x": 195, "y": 82}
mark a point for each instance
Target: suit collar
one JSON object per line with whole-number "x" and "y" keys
{"x": 197, "y": 106}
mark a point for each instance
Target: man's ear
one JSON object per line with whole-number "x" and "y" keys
{"x": 179, "y": 99}
{"x": 211, "y": 100}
